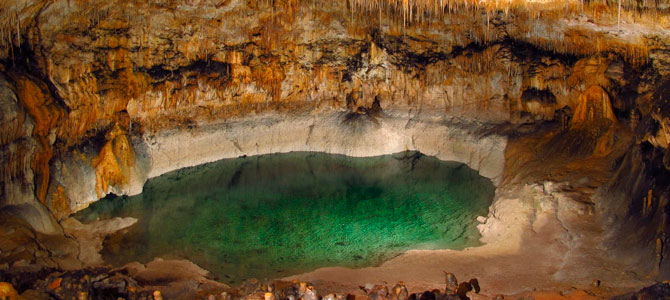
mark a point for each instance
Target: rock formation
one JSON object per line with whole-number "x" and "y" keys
{"x": 96, "y": 97}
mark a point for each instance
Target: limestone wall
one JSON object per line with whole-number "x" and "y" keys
{"x": 334, "y": 132}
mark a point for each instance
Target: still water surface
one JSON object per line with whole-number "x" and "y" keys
{"x": 276, "y": 215}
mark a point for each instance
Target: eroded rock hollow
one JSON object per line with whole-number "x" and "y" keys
{"x": 562, "y": 104}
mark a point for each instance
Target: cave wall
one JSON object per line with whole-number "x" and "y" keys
{"x": 82, "y": 82}
{"x": 638, "y": 194}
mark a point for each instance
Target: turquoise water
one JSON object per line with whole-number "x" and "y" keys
{"x": 276, "y": 215}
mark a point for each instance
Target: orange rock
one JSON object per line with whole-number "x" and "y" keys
{"x": 594, "y": 107}
{"x": 55, "y": 284}
{"x": 240, "y": 74}
{"x": 270, "y": 77}
{"x": 35, "y": 98}
{"x": 7, "y": 290}
{"x": 112, "y": 165}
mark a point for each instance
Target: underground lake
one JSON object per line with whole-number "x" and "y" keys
{"x": 276, "y": 215}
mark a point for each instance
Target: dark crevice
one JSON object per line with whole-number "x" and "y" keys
{"x": 525, "y": 50}
{"x": 396, "y": 47}
{"x": 543, "y": 96}
{"x": 402, "y": 57}
{"x": 161, "y": 73}
{"x": 355, "y": 63}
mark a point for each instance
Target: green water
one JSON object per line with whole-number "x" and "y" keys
{"x": 276, "y": 215}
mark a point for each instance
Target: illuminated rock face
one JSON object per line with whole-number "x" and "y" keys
{"x": 594, "y": 107}
{"x": 93, "y": 91}
{"x": 112, "y": 166}
{"x": 567, "y": 114}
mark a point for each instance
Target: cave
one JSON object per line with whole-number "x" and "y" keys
{"x": 322, "y": 150}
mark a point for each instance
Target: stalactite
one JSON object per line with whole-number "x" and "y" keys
{"x": 408, "y": 10}
{"x": 619, "y": 18}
